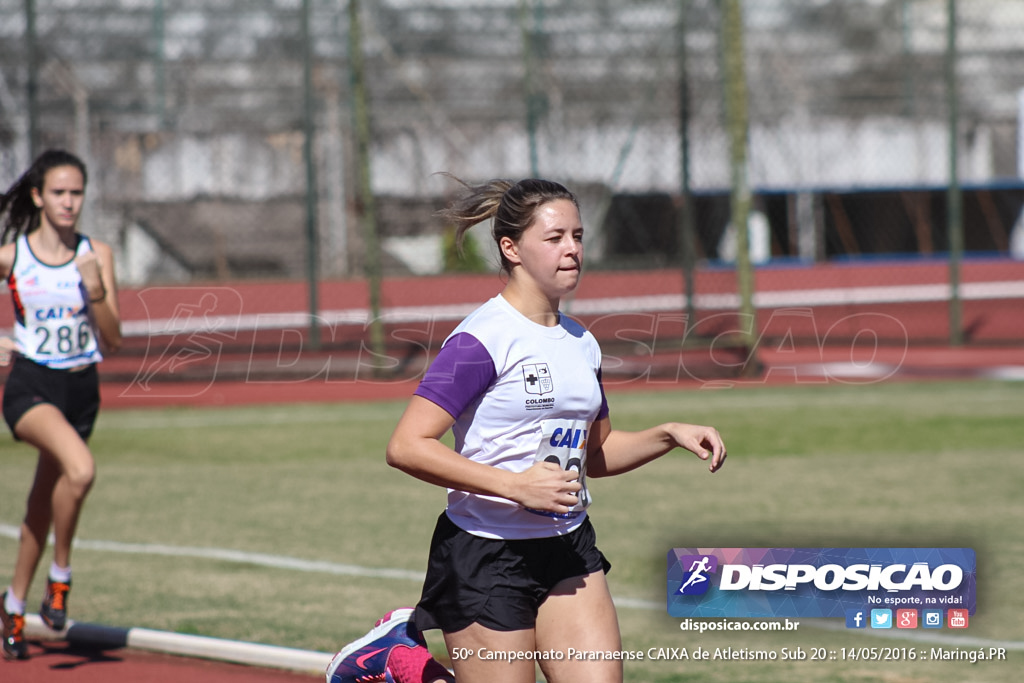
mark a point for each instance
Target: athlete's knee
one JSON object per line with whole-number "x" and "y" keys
{"x": 80, "y": 477}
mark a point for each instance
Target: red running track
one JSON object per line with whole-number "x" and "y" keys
{"x": 60, "y": 663}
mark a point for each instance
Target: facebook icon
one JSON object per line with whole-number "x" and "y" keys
{"x": 855, "y": 618}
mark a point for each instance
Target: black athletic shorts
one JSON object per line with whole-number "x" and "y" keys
{"x": 74, "y": 393}
{"x": 497, "y": 583}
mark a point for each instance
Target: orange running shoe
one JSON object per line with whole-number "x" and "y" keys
{"x": 14, "y": 640}
{"x": 54, "y": 609}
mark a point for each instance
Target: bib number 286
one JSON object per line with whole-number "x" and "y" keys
{"x": 63, "y": 340}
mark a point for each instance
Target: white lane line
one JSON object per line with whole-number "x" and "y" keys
{"x": 239, "y": 556}
{"x": 831, "y": 296}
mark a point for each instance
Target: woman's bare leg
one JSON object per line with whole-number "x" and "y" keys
{"x": 578, "y": 618}
{"x": 63, "y": 478}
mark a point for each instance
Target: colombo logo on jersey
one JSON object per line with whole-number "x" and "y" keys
{"x": 816, "y": 582}
{"x": 537, "y": 381}
{"x": 537, "y": 378}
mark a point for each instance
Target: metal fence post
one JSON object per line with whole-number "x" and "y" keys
{"x": 309, "y": 124}
{"x": 736, "y": 125}
{"x": 954, "y": 199}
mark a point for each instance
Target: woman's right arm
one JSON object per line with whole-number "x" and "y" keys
{"x": 6, "y": 260}
{"x": 7, "y": 345}
{"x": 416, "y": 449}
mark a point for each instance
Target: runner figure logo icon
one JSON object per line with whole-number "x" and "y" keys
{"x": 696, "y": 581}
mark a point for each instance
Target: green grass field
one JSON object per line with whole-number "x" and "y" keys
{"x": 900, "y": 464}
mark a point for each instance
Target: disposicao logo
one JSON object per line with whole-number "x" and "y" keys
{"x": 817, "y": 582}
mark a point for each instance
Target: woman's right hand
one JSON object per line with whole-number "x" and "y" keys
{"x": 548, "y": 488}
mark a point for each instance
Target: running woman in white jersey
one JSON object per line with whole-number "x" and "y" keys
{"x": 65, "y": 303}
{"x": 513, "y": 564}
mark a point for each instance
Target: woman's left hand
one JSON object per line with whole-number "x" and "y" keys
{"x": 89, "y": 268}
{"x": 705, "y": 442}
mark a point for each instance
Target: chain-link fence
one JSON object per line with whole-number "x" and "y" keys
{"x": 194, "y": 116}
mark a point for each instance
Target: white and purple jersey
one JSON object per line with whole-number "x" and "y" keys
{"x": 520, "y": 392}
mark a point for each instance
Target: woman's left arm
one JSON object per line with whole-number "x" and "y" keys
{"x": 611, "y": 451}
{"x": 97, "y": 270}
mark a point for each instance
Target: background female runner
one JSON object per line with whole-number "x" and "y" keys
{"x": 66, "y": 314}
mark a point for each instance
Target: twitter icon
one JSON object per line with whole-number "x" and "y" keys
{"x": 881, "y": 618}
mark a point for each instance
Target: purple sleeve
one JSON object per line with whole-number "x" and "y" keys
{"x": 603, "y": 412}
{"x": 461, "y": 372}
